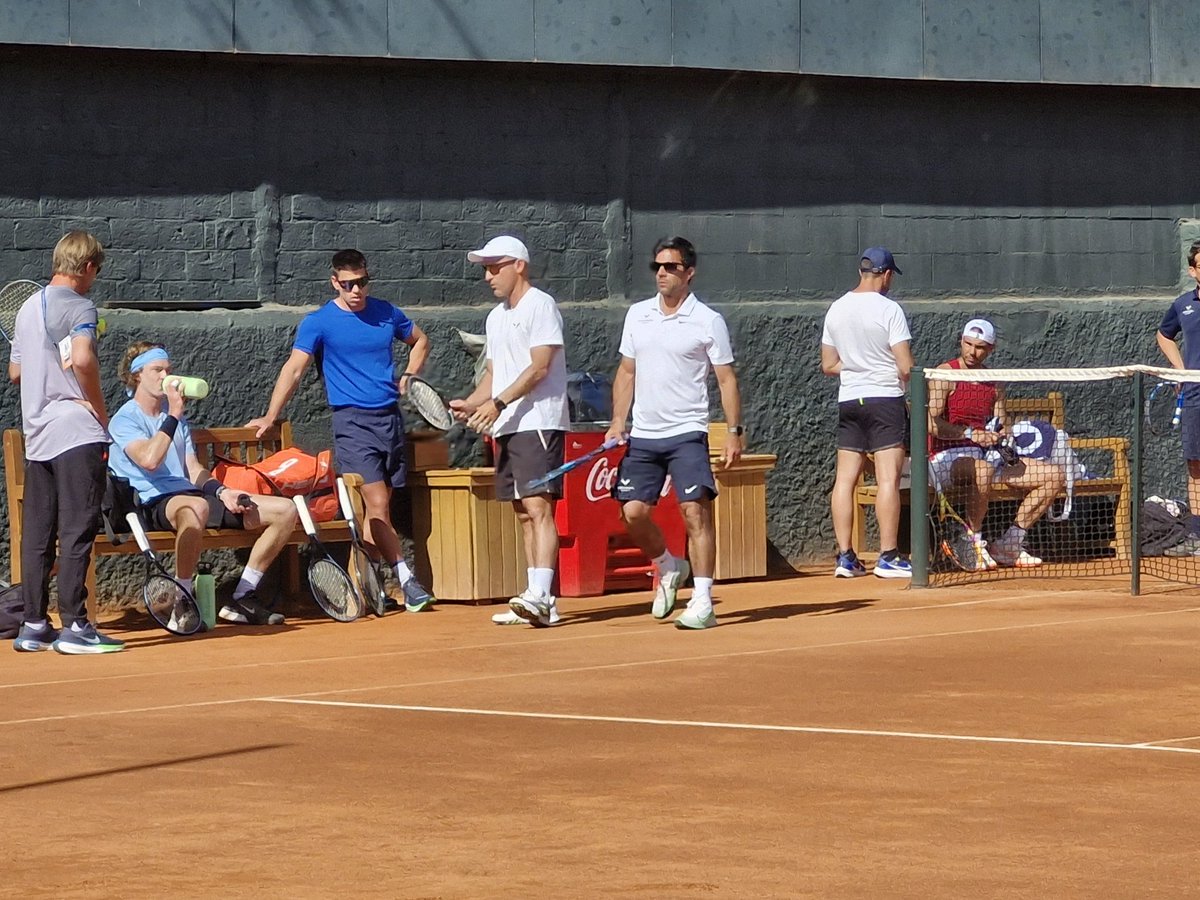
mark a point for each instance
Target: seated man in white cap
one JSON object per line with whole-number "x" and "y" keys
{"x": 959, "y": 437}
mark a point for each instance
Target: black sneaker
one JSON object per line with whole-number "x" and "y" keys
{"x": 248, "y": 610}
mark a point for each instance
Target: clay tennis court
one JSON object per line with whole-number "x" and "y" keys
{"x": 831, "y": 738}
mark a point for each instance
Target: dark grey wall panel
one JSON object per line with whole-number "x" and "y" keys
{"x": 629, "y": 32}
{"x": 160, "y": 25}
{"x": 320, "y": 27}
{"x": 1175, "y": 56}
{"x": 35, "y": 21}
{"x": 1097, "y": 43}
{"x": 862, "y": 37}
{"x": 730, "y": 34}
{"x": 461, "y": 29}
{"x": 988, "y": 42}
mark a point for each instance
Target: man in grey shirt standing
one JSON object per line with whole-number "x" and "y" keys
{"x": 54, "y": 361}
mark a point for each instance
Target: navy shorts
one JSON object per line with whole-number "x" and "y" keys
{"x": 524, "y": 456}
{"x": 370, "y": 443}
{"x": 648, "y": 462}
{"x": 155, "y": 513}
{"x": 1189, "y": 427}
{"x": 872, "y": 423}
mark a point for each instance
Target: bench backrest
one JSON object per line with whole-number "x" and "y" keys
{"x": 1052, "y": 408}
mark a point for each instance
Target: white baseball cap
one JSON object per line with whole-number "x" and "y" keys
{"x": 503, "y": 247}
{"x": 980, "y": 330}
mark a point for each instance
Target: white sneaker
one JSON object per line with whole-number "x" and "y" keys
{"x": 508, "y": 617}
{"x": 538, "y": 611}
{"x": 696, "y": 617}
{"x": 668, "y": 587}
{"x": 1011, "y": 554}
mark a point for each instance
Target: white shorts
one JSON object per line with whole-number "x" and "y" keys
{"x": 941, "y": 463}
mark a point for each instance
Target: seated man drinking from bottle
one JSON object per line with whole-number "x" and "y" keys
{"x": 152, "y": 448}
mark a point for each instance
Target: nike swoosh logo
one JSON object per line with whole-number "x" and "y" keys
{"x": 692, "y": 488}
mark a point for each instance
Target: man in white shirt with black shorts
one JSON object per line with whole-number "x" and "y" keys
{"x": 522, "y": 402}
{"x": 866, "y": 344}
{"x": 668, "y": 344}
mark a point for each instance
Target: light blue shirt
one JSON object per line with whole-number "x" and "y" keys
{"x": 171, "y": 477}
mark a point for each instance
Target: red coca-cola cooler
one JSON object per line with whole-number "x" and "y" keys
{"x": 595, "y": 553}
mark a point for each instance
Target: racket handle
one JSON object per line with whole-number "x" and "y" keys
{"x": 139, "y": 533}
{"x": 1178, "y": 414}
{"x": 344, "y": 500}
{"x": 305, "y": 516}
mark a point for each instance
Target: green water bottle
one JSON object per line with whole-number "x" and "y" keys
{"x": 192, "y": 388}
{"x": 206, "y": 596}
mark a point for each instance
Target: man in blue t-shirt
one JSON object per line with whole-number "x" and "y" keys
{"x": 1184, "y": 318}
{"x": 353, "y": 336}
{"x": 152, "y": 449}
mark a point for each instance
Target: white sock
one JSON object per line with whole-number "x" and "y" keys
{"x": 403, "y": 573}
{"x": 701, "y": 592}
{"x": 530, "y": 577}
{"x": 78, "y": 625}
{"x": 541, "y": 581}
{"x": 665, "y": 563}
{"x": 250, "y": 580}
{"x": 1015, "y": 534}
{"x": 188, "y": 585}
{"x": 38, "y": 625}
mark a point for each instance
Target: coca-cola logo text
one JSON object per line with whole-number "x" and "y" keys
{"x": 603, "y": 476}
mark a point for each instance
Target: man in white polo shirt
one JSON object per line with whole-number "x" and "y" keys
{"x": 865, "y": 344}
{"x": 522, "y": 402}
{"x": 667, "y": 346}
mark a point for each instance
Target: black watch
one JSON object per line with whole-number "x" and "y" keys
{"x": 738, "y": 430}
{"x": 500, "y": 404}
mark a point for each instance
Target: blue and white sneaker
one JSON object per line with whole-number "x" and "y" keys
{"x": 416, "y": 598}
{"x": 31, "y": 640}
{"x": 896, "y": 567}
{"x": 849, "y": 566}
{"x": 86, "y": 640}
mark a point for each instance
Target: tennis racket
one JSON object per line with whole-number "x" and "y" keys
{"x": 362, "y": 570}
{"x": 169, "y": 603}
{"x": 330, "y": 585}
{"x": 952, "y": 538}
{"x": 532, "y": 486}
{"x": 12, "y": 297}
{"x": 429, "y": 403}
{"x": 1163, "y": 407}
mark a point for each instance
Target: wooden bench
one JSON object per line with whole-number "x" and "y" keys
{"x": 1051, "y": 408}
{"x": 233, "y": 443}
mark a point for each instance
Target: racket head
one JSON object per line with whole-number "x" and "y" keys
{"x": 952, "y": 538}
{"x": 429, "y": 403}
{"x": 333, "y": 590}
{"x": 366, "y": 579}
{"x": 170, "y": 605}
{"x": 1160, "y": 408}
{"x": 12, "y": 297}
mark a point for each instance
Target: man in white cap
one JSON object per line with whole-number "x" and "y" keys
{"x": 522, "y": 402}
{"x": 959, "y": 438}
{"x": 866, "y": 344}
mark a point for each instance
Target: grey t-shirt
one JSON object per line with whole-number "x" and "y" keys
{"x": 53, "y": 420}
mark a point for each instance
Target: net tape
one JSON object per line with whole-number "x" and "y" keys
{"x": 1101, "y": 373}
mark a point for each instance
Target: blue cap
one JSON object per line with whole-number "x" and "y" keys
{"x": 881, "y": 260}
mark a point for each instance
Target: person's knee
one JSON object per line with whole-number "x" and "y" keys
{"x": 191, "y": 516}
{"x": 695, "y": 516}
{"x": 635, "y": 511}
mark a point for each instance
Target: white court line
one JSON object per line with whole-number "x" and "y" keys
{"x": 1183, "y": 740}
{"x": 744, "y": 726}
{"x": 98, "y": 713}
{"x": 540, "y": 673}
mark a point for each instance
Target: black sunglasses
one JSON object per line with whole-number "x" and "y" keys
{"x": 673, "y": 267}
{"x": 350, "y": 285}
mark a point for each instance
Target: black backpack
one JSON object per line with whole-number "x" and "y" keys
{"x": 119, "y": 500}
{"x": 1162, "y": 530}
{"x": 12, "y": 610}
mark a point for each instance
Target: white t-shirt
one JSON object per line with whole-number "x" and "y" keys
{"x": 511, "y": 331}
{"x": 671, "y": 356}
{"x": 863, "y": 328}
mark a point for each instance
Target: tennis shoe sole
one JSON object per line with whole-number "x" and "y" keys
{"x": 668, "y": 590}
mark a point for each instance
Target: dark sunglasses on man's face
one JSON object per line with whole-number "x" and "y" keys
{"x": 673, "y": 268}
{"x": 350, "y": 285}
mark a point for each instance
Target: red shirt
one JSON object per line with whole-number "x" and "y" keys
{"x": 970, "y": 403}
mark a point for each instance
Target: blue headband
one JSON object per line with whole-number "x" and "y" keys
{"x": 145, "y": 358}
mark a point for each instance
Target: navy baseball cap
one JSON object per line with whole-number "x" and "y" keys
{"x": 881, "y": 260}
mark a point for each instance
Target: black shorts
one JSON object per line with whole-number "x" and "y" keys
{"x": 1189, "y": 427}
{"x": 647, "y": 463}
{"x": 155, "y": 513}
{"x": 872, "y": 424}
{"x": 524, "y": 456}
{"x": 370, "y": 443}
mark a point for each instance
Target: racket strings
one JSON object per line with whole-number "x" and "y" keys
{"x": 12, "y": 298}
{"x": 170, "y": 605}
{"x": 430, "y": 405}
{"x": 333, "y": 590}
